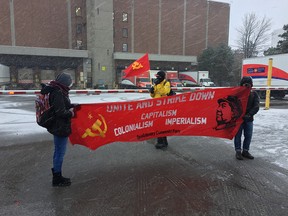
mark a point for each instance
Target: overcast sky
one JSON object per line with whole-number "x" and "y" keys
{"x": 277, "y": 10}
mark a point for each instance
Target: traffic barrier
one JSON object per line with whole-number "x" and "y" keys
{"x": 80, "y": 91}
{"x": 100, "y": 91}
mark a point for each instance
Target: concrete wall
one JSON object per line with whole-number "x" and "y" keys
{"x": 5, "y": 22}
{"x": 42, "y": 23}
{"x": 218, "y": 23}
{"x": 173, "y": 27}
{"x": 100, "y": 40}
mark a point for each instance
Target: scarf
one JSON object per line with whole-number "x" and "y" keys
{"x": 64, "y": 89}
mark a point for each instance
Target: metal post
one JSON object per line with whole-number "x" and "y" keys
{"x": 207, "y": 24}
{"x": 132, "y": 26}
{"x": 184, "y": 29}
{"x": 12, "y": 23}
{"x": 269, "y": 77}
{"x": 159, "y": 27}
{"x": 69, "y": 24}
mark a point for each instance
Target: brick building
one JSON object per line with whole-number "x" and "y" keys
{"x": 95, "y": 39}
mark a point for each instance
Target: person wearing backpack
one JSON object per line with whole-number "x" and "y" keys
{"x": 161, "y": 88}
{"x": 63, "y": 111}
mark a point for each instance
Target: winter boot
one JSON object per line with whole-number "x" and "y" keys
{"x": 246, "y": 154}
{"x": 59, "y": 181}
{"x": 165, "y": 141}
{"x": 160, "y": 143}
{"x": 160, "y": 146}
{"x": 239, "y": 155}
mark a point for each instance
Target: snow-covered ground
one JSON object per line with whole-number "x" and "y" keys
{"x": 270, "y": 139}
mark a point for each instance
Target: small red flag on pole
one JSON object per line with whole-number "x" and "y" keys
{"x": 137, "y": 67}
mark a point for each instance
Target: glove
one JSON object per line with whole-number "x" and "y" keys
{"x": 246, "y": 117}
{"x": 72, "y": 111}
{"x": 151, "y": 90}
{"x": 77, "y": 107}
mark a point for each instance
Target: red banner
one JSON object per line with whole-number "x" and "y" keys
{"x": 214, "y": 112}
{"x": 137, "y": 67}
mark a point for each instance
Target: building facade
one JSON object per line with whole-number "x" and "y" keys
{"x": 95, "y": 40}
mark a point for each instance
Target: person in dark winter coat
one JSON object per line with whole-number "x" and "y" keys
{"x": 63, "y": 111}
{"x": 161, "y": 88}
{"x": 247, "y": 125}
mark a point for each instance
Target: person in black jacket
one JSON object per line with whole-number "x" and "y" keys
{"x": 247, "y": 125}
{"x": 63, "y": 111}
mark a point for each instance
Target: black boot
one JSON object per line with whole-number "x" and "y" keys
{"x": 160, "y": 146}
{"x": 239, "y": 155}
{"x": 165, "y": 141}
{"x": 161, "y": 143}
{"x": 59, "y": 181}
{"x": 246, "y": 154}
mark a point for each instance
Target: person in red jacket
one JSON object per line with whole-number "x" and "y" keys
{"x": 161, "y": 88}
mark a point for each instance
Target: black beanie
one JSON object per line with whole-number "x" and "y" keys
{"x": 246, "y": 79}
{"x": 161, "y": 74}
{"x": 64, "y": 78}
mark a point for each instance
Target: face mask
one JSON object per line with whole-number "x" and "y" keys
{"x": 247, "y": 84}
{"x": 158, "y": 80}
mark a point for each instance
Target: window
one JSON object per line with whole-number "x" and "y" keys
{"x": 79, "y": 44}
{"x": 124, "y": 32}
{"x": 125, "y": 17}
{"x": 79, "y": 28}
{"x": 125, "y": 47}
{"x": 78, "y": 11}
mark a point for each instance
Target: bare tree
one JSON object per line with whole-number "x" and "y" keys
{"x": 253, "y": 34}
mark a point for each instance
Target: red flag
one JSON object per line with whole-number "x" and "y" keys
{"x": 137, "y": 67}
{"x": 209, "y": 112}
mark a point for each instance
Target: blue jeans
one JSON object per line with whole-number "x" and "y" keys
{"x": 247, "y": 127}
{"x": 60, "y": 144}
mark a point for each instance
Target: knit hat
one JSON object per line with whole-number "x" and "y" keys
{"x": 246, "y": 80}
{"x": 64, "y": 78}
{"x": 161, "y": 74}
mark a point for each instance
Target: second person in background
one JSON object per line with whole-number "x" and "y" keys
{"x": 161, "y": 88}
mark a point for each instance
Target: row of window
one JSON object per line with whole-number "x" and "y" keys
{"x": 125, "y": 32}
{"x": 78, "y": 13}
{"x": 124, "y": 47}
{"x": 124, "y": 17}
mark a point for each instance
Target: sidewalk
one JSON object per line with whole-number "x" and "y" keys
{"x": 194, "y": 176}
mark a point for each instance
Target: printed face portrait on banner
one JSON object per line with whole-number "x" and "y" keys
{"x": 228, "y": 111}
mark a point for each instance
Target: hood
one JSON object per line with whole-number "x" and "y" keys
{"x": 46, "y": 88}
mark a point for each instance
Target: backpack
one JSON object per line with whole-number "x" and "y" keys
{"x": 44, "y": 112}
{"x": 171, "y": 93}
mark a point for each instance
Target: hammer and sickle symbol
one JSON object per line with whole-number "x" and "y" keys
{"x": 96, "y": 127}
{"x": 136, "y": 65}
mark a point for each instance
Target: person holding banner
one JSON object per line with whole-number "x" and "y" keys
{"x": 161, "y": 88}
{"x": 63, "y": 110}
{"x": 247, "y": 125}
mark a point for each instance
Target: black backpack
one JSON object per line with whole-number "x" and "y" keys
{"x": 171, "y": 93}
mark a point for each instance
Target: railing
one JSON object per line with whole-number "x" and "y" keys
{"x": 99, "y": 91}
